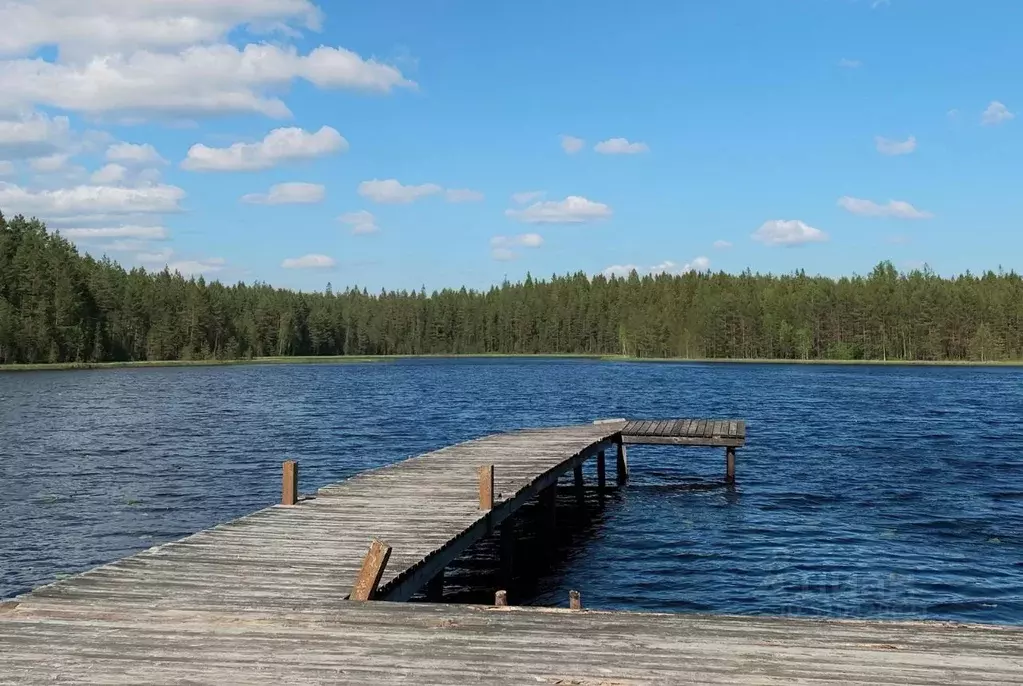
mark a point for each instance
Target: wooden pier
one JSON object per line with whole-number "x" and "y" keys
{"x": 275, "y": 596}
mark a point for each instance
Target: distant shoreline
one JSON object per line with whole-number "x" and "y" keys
{"x": 357, "y": 359}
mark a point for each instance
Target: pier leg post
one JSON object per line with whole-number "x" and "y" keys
{"x": 622, "y": 465}
{"x": 435, "y": 588}
{"x": 289, "y": 483}
{"x": 507, "y": 534}
{"x": 730, "y": 465}
{"x": 575, "y": 601}
{"x": 372, "y": 571}
{"x": 549, "y": 505}
{"x": 601, "y": 476}
{"x": 580, "y": 493}
{"x": 501, "y": 599}
{"x": 486, "y": 475}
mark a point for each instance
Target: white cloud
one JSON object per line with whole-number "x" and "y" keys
{"x": 698, "y": 264}
{"x": 996, "y": 113}
{"x": 51, "y": 163}
{"x": 527, "y": 197}
{"x": 108, "y": 174}
{"x": 362, "y": 222}
{"x": 134, "y": 154}
{"x": 86, "y": 28}
{"x": 887, "y": 146}
{"x": 161, "y": 256}
{"x": 197, "y": 267}
{"x": 279, "y": 146}
{"x": 294, "y": 193}
{"x": 136, "y": 232}
{"x": 94, "y": 201}
{"x": 788, "y": 232}
{"x": 572, "y": 210}
{"x": 503, "y": 248}
{"x": 898, "y": 209}
{"x": 309, "y": 262}
{"x": 462, "y": 195}
{"x": 201, "y": 79}
{"x": 571, "y": 144}
{"x": 849, "y": 64}
{"x": 722, "y": 244}
{"x": 620, "y": 146}
{"x": 33, "y": 135}
{"x": 391, "y": 191}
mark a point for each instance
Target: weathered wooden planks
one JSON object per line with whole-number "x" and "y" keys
{"x": 730, "y": 433}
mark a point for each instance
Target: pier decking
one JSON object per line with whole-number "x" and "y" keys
{"x": 264, "y": 599}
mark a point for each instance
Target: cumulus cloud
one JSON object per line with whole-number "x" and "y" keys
{"x": 788, "y": 233}
{"x": 620, "y": 146}
{"x": 887, "y": 146}
{"x": 898, "y": 209}
{"x": 572, "y": 210}
{"x": 279, "y": 146}
{"x": 214, "y": 79}
{"x": 722, "y": 244}
{"x": 161, "y": 256}
{"x": 91, "y": 200}
{"x": 698, "y": 264}
{"x": 86, "y": 28}
{"x": 51, "y": 163}
{"x": 571, "y": 144}
{"x": 309, "y": 262}
{"x": 294, "y": 193}
{"x": 996, "y": 113}
{"x": 391, "y": 191}
{"x": 109, "y": 174}
{"x": 197, "y": 267}
{"x": 134, "y": 154}
{"x": 462, "y": 195}
{"x": 131, "y": 232}
{"x": 361, "y": 222}
{"x": 527, "y": 197}
{"x": 504, "y": 248}
{"x": 33, "y": 135}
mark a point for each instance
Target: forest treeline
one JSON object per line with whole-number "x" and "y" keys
{"x": 59, "y": 306}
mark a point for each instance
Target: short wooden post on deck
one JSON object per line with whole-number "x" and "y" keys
{"x": 601, "y": 476}
{"x": 622, "y": 465}
{"x": 486, "y": 487}
{"x": 289, "y": 483}
{"x": 372, "y": 571}
{"x": 435, "y": 588}
{"x": 575, "y": 601}
{"x": 730, "y": 465}
{"x": 580, "y": 493}
{"x": 501, "y": 599}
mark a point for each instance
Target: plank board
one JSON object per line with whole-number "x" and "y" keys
{"x": 727, "y": 433}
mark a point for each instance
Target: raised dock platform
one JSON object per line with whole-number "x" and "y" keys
{"x": 265, "y": 598}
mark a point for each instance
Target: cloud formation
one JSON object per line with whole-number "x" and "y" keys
{"x": 996, "y": 113}
{"x": 887, "y": 146}
{"x": 698, "y": 264}
{"x": 309, "y": 262}
{"x": 293, "y": 193}
{"x": 278, "y": 147}
{"x": 788, "y": 232}
{"x": 898, "y": 209}
{"x": 571, "y": 144}
{"x": 504, "y": 248}
{"x": 620, "y": 146}
{"x": 91, "y": 200}
{"x": 572, "y": 210}
{"x": 361, "y": 222}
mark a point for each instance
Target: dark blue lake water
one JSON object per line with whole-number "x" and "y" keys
{"x": 886, "y": 492}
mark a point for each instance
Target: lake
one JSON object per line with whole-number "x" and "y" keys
{"x": 864, "y": 491}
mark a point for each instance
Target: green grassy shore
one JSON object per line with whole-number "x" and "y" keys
{"x": 355, "y": 359}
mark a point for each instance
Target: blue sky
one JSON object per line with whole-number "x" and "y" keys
{"x": 454, "y": 142}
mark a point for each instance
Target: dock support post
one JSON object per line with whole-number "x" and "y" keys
{"x": 501, "y": 599}
{"x": 580, "y": 493}
{"x": 372, "y": 571}
{"x": 575, "y": 601}
{"x": 289, "y": 483}
{"x": 730, "y": 465}
{"x": 601, "y": 476}
{"x": 435, "y": 588}
{"x": 507, "y": 535}
{"x": 549, "y": 505}
{"x": 622, "y": 465}
{"x": 486, "y": 487}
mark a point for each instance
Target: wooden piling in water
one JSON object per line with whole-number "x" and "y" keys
{"x": 486, "y": 475}
{"x": 507, "y": 546}
{"x": 289, "y": 483}
{"x": 621, "y": 463}
{"x": 601, "y": 476}
{"x": 580, "y": 492}
{"x": 549, "y": 505}
{"x": 372, "y": 570}
{"x": 730, "y": 465}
